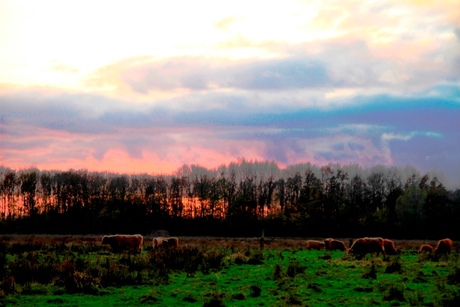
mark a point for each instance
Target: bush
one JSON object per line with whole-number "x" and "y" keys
{"x": 453, "y": 278}
{"x": 394, "y": 292}
{"x": 294, "y": 268}
{"x": 255, "y": 291}
{"x": 278, "y": 271}
{"x": 415, "y": 298}
{"x": 394, "y": 266}
{"x": 372, "y": 274}
{"x": 449, "y": 298}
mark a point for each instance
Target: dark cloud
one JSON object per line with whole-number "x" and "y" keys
{"x": 278, "y": 74}
{"x": 198, "y": 73}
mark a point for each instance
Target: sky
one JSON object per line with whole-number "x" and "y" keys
{"x": 148, "y": 86}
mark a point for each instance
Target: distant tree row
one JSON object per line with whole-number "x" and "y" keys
{"x": 239, "y": 199}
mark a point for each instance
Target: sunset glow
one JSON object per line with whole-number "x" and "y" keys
{"x": 147, "y": 86}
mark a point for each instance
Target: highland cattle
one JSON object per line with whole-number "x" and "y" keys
{"x": 364, "y": 246}
{"x": 314, "y": 244}
{"x": 333, "y": 244}
{"x": 425, "y": 248}
{"x": 390, "y": 247}
{"x": 119, "y": 243}
{"x": 444, "y": 246}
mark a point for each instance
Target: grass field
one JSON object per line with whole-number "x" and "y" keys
{"x": 79, "y": 271}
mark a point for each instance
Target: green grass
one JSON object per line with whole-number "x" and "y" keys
{"x": 220, "y": 276}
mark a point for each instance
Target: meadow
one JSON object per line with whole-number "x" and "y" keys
{"x": 45, "y": 270}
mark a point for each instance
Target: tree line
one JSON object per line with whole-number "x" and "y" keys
{"x": 244, "y": 198}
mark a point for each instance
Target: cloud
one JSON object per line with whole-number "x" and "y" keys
{"x": 198, "y": 73}
{"x": 225, "y": 23}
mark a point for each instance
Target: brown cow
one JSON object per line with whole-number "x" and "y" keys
{"x": 364, "y": 246}
{"x": 165, "y": 242}
{"x": 172, "y": 242}
{"x": 389, "y": 246}
{"x": 158, "y": 242}
{"x": 313, "y": 244}
{"x": 333, "y": 244}
{"x": 425, "y": 248}
{"x": 118, "y": 243}
{"x": 444, "y": 246}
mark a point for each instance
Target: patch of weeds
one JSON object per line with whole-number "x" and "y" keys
{"x": 394, "y": 266}
{"x": 216, "y": 300}
{"x": 255, "y": 291}
{"x": 315, "y": 287}
{"x": 148, "y": 298}
{"x": 294, "y": 268}
{"x": 394, "y": 292}
{"x": 453, "y": 278}
{"x": 256, "y": 257}
{"x": 420, "y": 278}
{"x": 213, "y": 260}
{"x": 240, "y": 258}
{"x": 278, "y": 272}
{"x": 325, "y": 257}
{"x": 363, "y": 289}
{"x": 58, "y": 301}
{"x": 239, "y": 296}
{"x": 34, "y": 289}
{"x": 293, "y": 300}
{"x": 8, "y": 285}
{"x": 415, "y": 298}
{"x": 189, "y": 299}
{"x": 372, "y": 274}
{"x": 450, "y": 297}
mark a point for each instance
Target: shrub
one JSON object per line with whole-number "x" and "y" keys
{"x": 372, "y": 274}
{"x": 394, "y": 292}
{"x": 216, "y": 300}
{"x": 294, "y": 268}
{"x": 150, "y": 298}
{"x": 415, "y": 298}
{"x": 239, "y": 296}
{"x": 453, "y": 278}
{"x": 293, "y": 300}
{"x": 255, "y": 291}
{"x": 394, "y": 266}
{"x": 278, "y": 271}
{"x": 256, "y": 257}
{"x": 449, "y": 298}
{"x": 315, "y": 287}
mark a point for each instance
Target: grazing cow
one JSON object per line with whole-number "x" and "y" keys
{"x": 313, "y": 244}
{"x": 444, "y": 246}
{"x": 119, "y": 243}
{"x": 165, "y": 242}
{"x": 364, "y": 246}
{"x": 389, "y": 246}
{"x": 172, "y": 241}
{"x": 332, "y": 245}
{"x": 158, "y": 242}
{"x": 425, "y": 248}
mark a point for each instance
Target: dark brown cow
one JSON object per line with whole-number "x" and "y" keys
{"x": 172, "y": 242}
{"x": 364, "y": 246}
{"x": 118, "y": 243}
{"x": 313, "y": 244}
{"x": 444, "y": 246}
{"x": 389, "y": 246}
{"x": 425, "y": 248}
{"x": 333, "y": 244}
